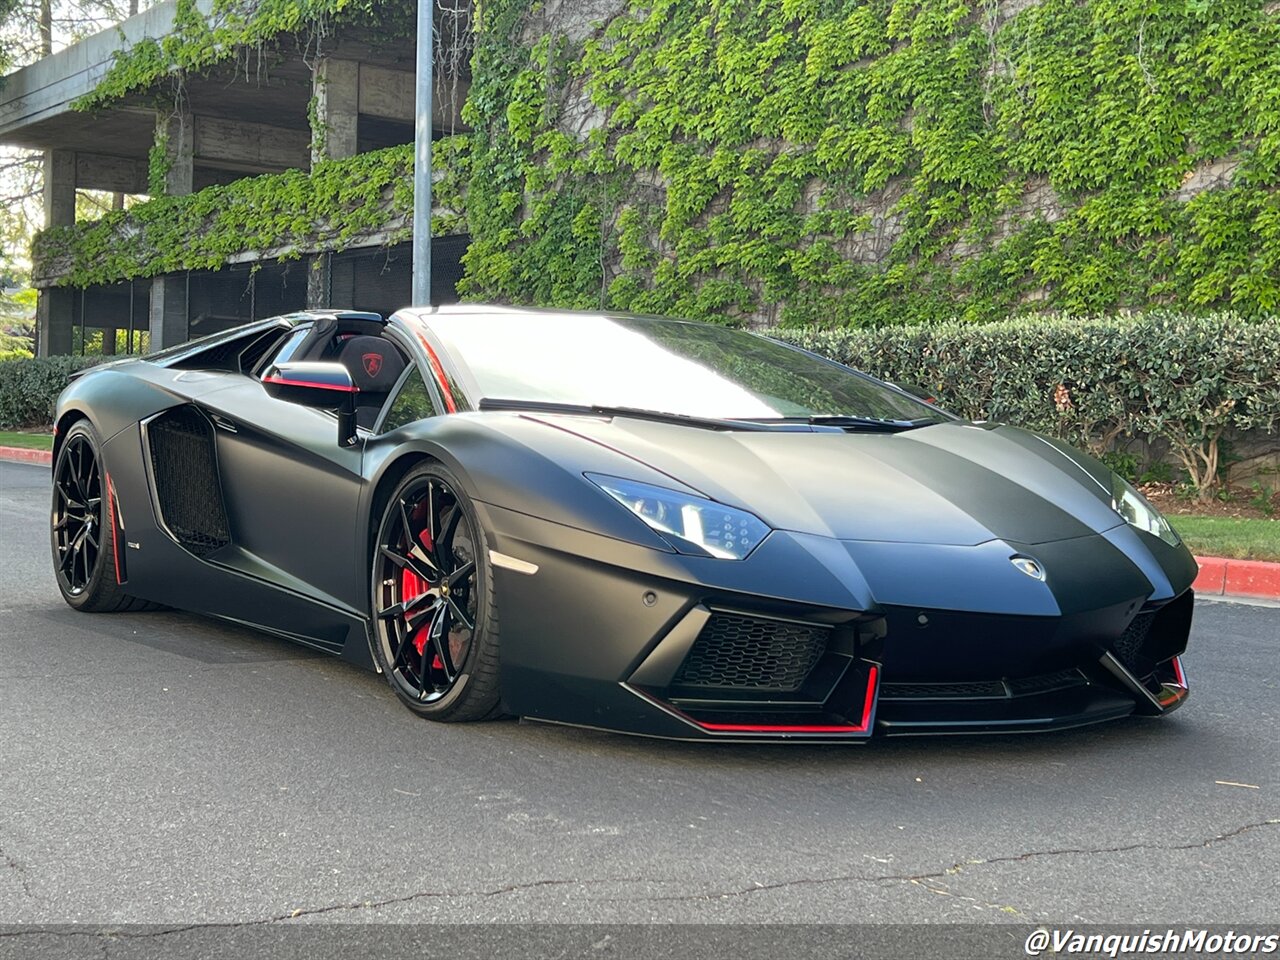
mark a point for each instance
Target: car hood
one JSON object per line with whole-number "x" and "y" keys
{"x": 952, "y": 483}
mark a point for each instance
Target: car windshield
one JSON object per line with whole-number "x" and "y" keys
{"x": 674, "y": 366}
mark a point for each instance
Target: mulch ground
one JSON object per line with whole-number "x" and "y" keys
{"x": 1240, "y": 503}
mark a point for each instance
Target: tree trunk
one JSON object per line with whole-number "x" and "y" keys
{"x": 46, "y": 27}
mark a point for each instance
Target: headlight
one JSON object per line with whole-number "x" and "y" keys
{"x": 692, "y": 524}
{"x": 1138, "y": 512}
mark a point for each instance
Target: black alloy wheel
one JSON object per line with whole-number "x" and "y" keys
{"x": 432, "y": 600}
{"x": 82, "y": 527}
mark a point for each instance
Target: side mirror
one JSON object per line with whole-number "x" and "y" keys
{"x": 323, "y": 386}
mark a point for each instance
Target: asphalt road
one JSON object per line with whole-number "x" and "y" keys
{"x": 164, "y": 768}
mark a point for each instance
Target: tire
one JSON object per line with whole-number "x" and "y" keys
{"x": 82, "y": 533}
{"x": 434, "y": 618}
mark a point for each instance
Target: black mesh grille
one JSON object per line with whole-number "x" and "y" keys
{"x": 983, "y": 689}
{"x": 186, "y": 475}
{"x": 1046, "y": 682}
{"x": 1129, "y": 645}
{"x": 752, "y": 653}
{"x": 977, "y": 690}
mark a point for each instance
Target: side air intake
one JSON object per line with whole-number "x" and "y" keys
{"x": 185, "y": 469}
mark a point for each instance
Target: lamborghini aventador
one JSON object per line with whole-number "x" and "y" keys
{"x": 641, "y": 524}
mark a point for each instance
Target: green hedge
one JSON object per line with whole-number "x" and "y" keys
{"x": 1092, "y": 381}
{"x": 1161, "y": 375}
{"x": 28, "y": 388}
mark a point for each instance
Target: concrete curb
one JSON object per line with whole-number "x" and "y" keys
{"x": 26, "y": 455}
{"x": 1238, "y": 578}
{"x": 1218, "y": 576}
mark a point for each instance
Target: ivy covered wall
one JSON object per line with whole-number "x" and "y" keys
{"x": 859, "y": 162}
{"x": 363, "y": 200}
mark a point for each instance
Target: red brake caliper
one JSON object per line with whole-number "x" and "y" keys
{"x": 412, "y": 585}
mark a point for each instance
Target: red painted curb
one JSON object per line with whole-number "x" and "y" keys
{"x": 1238, "y": 578}
{"x": 26, "y": 455}
{"x": 1213, "y": 576}
{"x": 1253, "y": 578}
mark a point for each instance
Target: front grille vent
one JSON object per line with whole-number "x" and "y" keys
{"x": 186, "y": 476}
{"x": 1128, "y": 647}
{"x": 977, "y": 690}
{"x": 983, "y": 689}
{"x": 753, "y": 653}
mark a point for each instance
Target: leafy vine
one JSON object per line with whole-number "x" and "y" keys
{"x": 858, "y": 163}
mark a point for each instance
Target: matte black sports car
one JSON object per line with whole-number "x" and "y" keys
{"x": 647, "y": 525}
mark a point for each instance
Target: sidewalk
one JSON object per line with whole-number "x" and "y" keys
{"x": 1219, "y": 577}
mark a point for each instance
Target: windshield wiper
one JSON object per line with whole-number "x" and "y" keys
{"x": 635, "y": 413}
{"x": 848, "y": 422}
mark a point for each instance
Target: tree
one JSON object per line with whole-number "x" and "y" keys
{"x": 29, "y": 30}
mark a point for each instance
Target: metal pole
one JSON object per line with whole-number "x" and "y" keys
{"x": 422, "y": 156}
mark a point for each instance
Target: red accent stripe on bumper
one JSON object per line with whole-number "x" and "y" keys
{"x": 115, "y": 531}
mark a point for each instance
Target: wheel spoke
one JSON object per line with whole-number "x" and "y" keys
{"x": 68, "y": 495}
{"x": 409, "y": 563}
{"x": 423, "y": 668}
{"x": 77, "y": 473}
{"x": 412, "y": 623}
{"x": 432, "y": 528}
{"x": 440, "y": 640}
{"x": 461, "y": 616}
{"x": 401, "y": 648}
{"x": 405, "y": 522}
{"x": 403, "y": 636}
{"x": 446, "y": 537}
{"x": 399, "y": 610}
{"x": 460, "y": 574}
{"x": 73, "y": 462}
{"x": 421, "y": 555}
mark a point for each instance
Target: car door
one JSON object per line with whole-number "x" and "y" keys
{"x": 292, "y": 497}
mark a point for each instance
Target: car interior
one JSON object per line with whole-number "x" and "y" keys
{"x": 374, "y": 362}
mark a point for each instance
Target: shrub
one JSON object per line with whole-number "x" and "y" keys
{"x": 29, "y": 387}
{"x": 1088, "y": 380}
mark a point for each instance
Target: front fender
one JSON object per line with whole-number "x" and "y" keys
{"x": 523, "y": 465}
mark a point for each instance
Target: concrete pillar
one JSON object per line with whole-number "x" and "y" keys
{"x": 331, "y": 283}
{"x": 55, "y": 306}
{"x": 55, "y": 315}
{"x": 335, "y": 84}
{"x": 176, "y": 131}
{"x": 168, "y": 318}
{"x": 318, "y": 279}
{"x": 59, "y": 188}
{"x": 168, "y": 322}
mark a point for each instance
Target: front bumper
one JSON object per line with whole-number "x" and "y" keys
{"x": 796, "y": 643}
